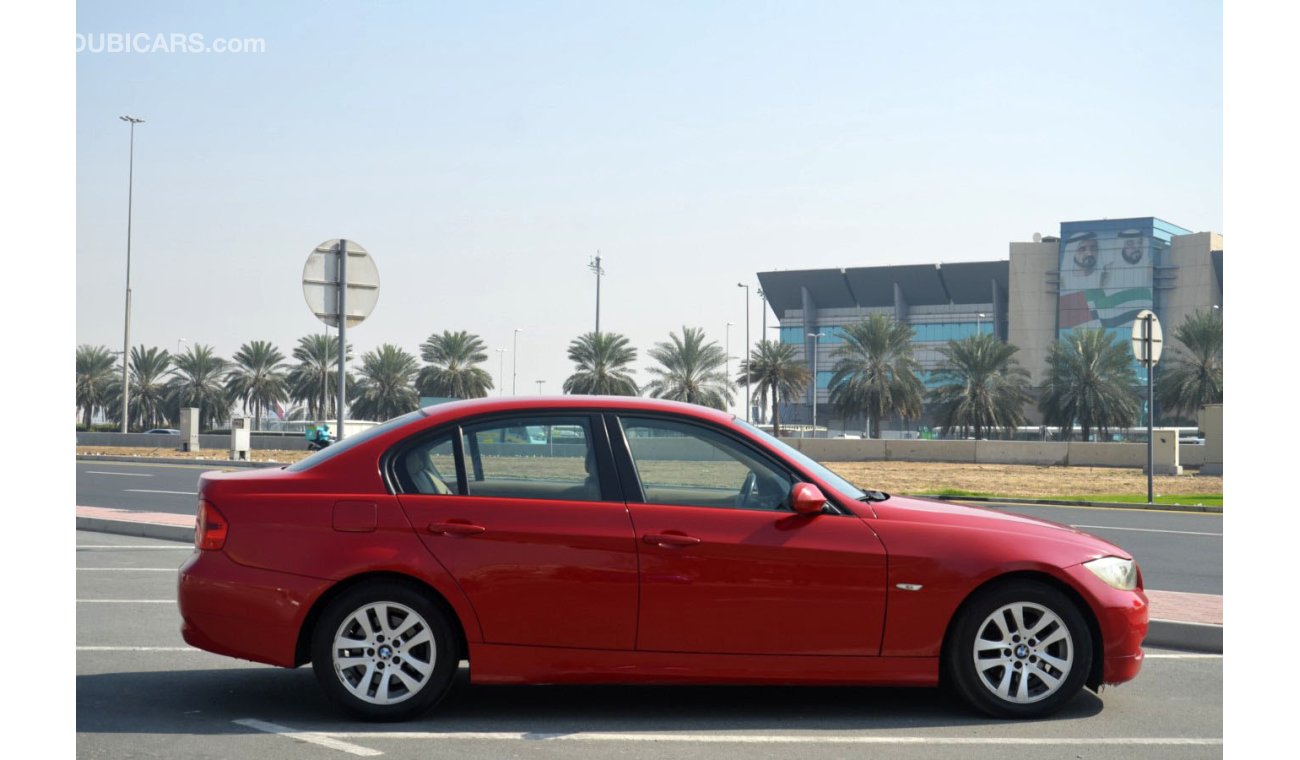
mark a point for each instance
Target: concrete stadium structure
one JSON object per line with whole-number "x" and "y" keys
{"x": 1096, "y": 273}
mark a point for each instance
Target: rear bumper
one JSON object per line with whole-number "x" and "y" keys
{"x": 1122, "y": 618}
{"x": 243, "y": 612}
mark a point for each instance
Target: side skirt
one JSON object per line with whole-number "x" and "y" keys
{"x": 503, "y": 664}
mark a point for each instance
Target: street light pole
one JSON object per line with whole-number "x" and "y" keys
{"x": 126, "y": 337}
{"x": 514, "y": 364}
{"x": 539, "y": 386}
{"x": 595, "y": 266}
{"x": 816, "y": 341}
{"x": 501, "y": 371}
{"x": 749, "y": 403}
{"x": 726, "y": 352}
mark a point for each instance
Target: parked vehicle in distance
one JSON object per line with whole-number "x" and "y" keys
{"x": 650, "y": 542}
{"x": 163, "y": 431}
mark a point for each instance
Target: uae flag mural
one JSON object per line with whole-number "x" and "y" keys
{"x": 1106, "y": 277}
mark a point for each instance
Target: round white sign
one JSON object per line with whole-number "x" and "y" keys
{"x": 320, "y": 283}
{"x": 1144, "y": 341}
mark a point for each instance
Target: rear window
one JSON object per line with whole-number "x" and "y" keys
{"x": 334, "y": 449}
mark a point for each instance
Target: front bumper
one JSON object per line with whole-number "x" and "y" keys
{"x": 1122, "y": 619}
{"x": 243, "y": 612}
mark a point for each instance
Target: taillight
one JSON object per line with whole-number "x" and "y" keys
{"x": 210, "y": 527}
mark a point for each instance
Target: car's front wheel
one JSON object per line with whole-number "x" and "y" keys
{"x": 1019, "y": 650}
{"x": 384, "y": 650}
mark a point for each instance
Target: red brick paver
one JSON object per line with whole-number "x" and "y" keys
{"x": 136, "y": 516}
{"x": 1183, "y": 607}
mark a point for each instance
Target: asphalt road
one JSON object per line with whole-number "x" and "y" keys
{"x": 1177, "y": 551}
{"x": 141, "y": 692}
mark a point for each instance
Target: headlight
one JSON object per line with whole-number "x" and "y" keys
{"x": 1115, "y": 572}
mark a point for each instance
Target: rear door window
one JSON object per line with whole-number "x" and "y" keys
{"x": 530, "y": 457}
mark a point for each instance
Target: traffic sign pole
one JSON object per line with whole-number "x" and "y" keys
{"x": 1148, "y": 342}
{"x": 343, "y": 332}
{"x": 1151, "y": 413}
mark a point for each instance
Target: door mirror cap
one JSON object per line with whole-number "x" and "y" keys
{"x": 807, "y": 499}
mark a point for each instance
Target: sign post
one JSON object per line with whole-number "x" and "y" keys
{"x": 341, "y": 284}
{"x": 1148, "y": 342}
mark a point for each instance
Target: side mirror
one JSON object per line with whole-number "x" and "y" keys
{"x": 807, "y": 499}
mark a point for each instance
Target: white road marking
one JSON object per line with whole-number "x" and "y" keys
{"x": 130, "y": 569}
{"x": 311, "y": 737}
{"x": 127, "y": 474}
{"x": 138, "y": 649}
{"x": 1184, "y": 657}
{"x": 145, "y": 490}
{"x": 778, "y": 738}
{"x": 126, "y": 601}
{"x": 186, "y": 547}
{"x": 1148, "y": 530}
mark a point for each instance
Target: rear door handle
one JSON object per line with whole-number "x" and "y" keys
{"x": 670, "y": 539}
{"x": 456, "y": 528}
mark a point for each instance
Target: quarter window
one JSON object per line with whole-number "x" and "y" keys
{"x": 430, "y": 467}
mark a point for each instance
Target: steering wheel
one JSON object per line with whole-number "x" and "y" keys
{"x": 747, "y": 490}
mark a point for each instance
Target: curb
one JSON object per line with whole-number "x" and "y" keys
{"x": 1192, "y": 637}
{"x": 137, "y": 529}
{"x": 1064, "y": 503}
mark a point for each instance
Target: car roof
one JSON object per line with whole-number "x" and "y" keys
{"x": 490, "y": 404}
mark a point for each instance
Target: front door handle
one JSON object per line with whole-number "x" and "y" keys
{"x": 456, "y": 528}
{"x": 670, "y": 539}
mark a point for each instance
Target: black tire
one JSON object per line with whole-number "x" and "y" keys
{"x": 385, "y": 677}
{"x": 1023, "y": 668}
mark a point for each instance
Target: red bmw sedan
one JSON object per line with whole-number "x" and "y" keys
{"x": 625, "y": 540}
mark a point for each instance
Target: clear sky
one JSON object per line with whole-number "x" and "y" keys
{"x": 483, "y": 153}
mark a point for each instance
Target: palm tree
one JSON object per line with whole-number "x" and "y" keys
{"x": 314, "y": 380}
{"x": 691, "y": 370}
{"x": 602, "y": 365}
{"x": 385, "y": 388}
{"x": 199, "y": 381}
{"x": 774, "y": 369}
{"x": 259, "y": 377}
{"x": 452, "y": 370}
{"x": 982, "y": 386}
{"x": 875, "y": 372}
{"x": 1090, "y": 381}
{"x": 1192, "y": 375}
{"x": 95, "y": 371}
{"x": 149, "y": 389}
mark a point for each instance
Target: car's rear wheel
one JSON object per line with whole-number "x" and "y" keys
{"x": 384, "y": 651}
{"x": 1019, "y": 650}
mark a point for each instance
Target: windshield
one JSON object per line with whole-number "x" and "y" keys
{"x": 334, "y": 449}
{"x": 818, "y": 469}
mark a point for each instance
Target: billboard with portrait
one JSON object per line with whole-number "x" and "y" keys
{"x": 1107, "y": 276}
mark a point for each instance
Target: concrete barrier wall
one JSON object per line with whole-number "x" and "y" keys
{"x": 213, "y": 442}
{"x": 960, "y": 452}
{"x": 839, "y": 449}
{"x": 1191, "y": 454}
{"x": 1107, "y": 454}
{"x": 1041, "y": 453}
{"x": 1044, "y": 454}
